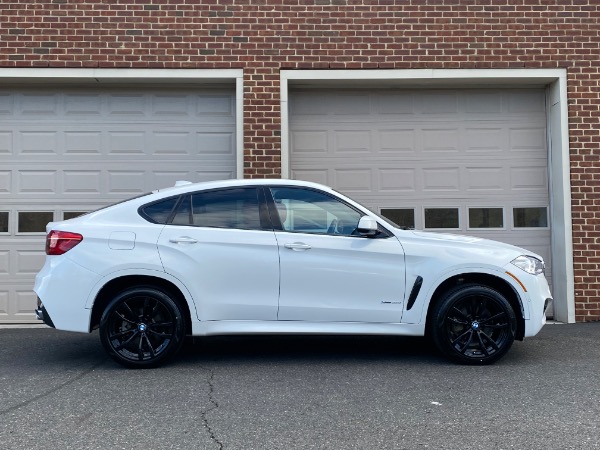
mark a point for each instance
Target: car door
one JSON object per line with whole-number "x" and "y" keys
{"x": 224, "y": 250}
{"x": 329, "y": 272}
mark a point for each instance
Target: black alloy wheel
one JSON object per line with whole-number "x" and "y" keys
{"x": 142, "y": 327}
{"x": 473, "y": 324}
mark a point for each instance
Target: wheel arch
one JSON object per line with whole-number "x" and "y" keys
{"x": 483, "y": 279}
{"x": 119, "y": 284}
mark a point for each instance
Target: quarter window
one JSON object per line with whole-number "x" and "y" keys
{"x": 159, "y": 212}
{"x": 308, "y": 211}
{"x": 230, "y": 208}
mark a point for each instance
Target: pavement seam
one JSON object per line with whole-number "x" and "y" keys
{"x": 203, "y": 415}
{"x": 51, "y": 391}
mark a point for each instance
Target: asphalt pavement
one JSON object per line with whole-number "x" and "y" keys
{"x": 58, "y": 390}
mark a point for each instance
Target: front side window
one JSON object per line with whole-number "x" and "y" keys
{"x": 309, "y": 211}
{"x": 228, "y": 208}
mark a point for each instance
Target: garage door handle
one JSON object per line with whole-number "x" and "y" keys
{"x": 183, "y": 240}
{"x": 297, "y": 246}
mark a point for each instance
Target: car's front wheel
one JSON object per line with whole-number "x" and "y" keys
{"x": 473, "y": 324}
{"x": 142, "y": 327}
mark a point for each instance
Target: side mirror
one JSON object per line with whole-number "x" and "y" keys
{"x": 367, "y": 226}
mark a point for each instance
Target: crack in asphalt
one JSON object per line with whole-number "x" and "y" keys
{"x": 215, "y": 405}
{"x": 51, "y": 391}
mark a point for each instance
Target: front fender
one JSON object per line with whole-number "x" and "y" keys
{"x": 418, "y": 313}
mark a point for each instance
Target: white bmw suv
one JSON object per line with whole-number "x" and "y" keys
{"x": 275, "y": 257}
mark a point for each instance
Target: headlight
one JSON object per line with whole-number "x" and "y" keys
{"x": 529, "y": 264}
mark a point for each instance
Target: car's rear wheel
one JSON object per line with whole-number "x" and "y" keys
{"x": 473, "y": 324}
{"x": 142, "y": 327}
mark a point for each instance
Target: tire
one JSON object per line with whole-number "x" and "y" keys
{"x": 473, "y": 324}
{"x": 142, "y": 327}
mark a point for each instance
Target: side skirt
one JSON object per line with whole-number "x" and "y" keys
{"x": 233, "y": 327}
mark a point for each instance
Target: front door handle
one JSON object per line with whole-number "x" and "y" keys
{"x": 297, "y": 246}
{"x": 183, "y": 240}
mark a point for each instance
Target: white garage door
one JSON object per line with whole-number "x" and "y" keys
{"x": 63, "y": 152}
{"x": 461, "y": 161}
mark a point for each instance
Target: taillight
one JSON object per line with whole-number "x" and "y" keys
{"x": 59, "y": 242}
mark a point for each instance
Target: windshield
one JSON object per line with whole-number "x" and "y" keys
{"x": 385, "y": 220}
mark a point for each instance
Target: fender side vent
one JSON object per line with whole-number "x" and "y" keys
{"x": 414, "y": 293}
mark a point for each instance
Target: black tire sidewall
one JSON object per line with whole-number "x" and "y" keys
{"x": 438, "y": 325}
{"x": 166, "y": 299}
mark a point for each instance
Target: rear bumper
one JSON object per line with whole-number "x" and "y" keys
{"x": 42, "y": 314}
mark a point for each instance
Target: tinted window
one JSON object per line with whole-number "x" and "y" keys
{"x": 3, "y": 221}
{"x": 230, "y": 208}
{"x": 530, "y": 217}
{"x": 402, "y": 217}
{"x": 159, "y": 212}
{"x": 34, "y": 221}
{"x": 308, "y": 211}
{"x": 486, "y": 218}
{"x": 441, "y": 218}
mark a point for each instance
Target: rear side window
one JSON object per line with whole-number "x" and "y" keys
{"x": 159, "y": 212}
{"x": 228, "y": 208}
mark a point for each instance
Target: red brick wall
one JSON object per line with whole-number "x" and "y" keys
{"x": 263, "y": 36}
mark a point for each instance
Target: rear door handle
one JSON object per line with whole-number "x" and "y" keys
{"x": 183, "y": 240}
{"x": 297, "y": 246}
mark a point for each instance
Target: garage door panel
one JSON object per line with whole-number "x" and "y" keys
{"x": 352, "y": 141}
{"x": 526, "y": 101}
{"x": 397, "y": 180}
{"x": 29, "y": 262}
{"x": 483, "y": 179}
{"x": 314, "y": 175}
{"x": 439, "y": 102}
{"x": 401, "y": 103}
{"x": 215, "y": 143}
{"x": 393, "y": 141}
{"x": 37, "y": 143}
{"x": 214, "y": 108}
{"x": 5, "y": 181}
{"x": 214, "y": 174}
{"x": 17, "y": 301}
{"x": 485, "y": 140}
{"x": 37, "y": 181}
{"x": 532, "y": 178}
{"x": 126, "y": 142}
{"x": 4, "y": 263}
{"x": 483, "y": 102}
{"x": 83, "y": 143}
{"x": 68, "y": 151}
{"x": 82, "y": 182}
{"x": 437, "y": 179}
{"x": 38, "y": 105}
{"x": 354, "y": 180}
{"x": 444, "y": 140}
{"x": 527, "y": 139}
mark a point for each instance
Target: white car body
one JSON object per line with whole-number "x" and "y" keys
{"x": 239, "y": 281}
